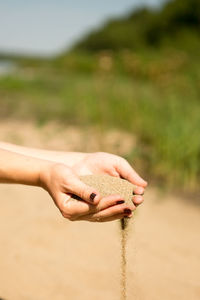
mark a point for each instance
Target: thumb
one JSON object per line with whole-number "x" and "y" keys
{"x": 127, "y": 172}
{"x": 82, "y": 190}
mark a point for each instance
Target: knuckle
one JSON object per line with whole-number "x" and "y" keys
{"x": 68, "y": 216}
{"x": 85, "y": 194}
{"x": 119, "y": 160}
{"x": 64, "y": 214}
{"x": 122, "y": 160}
{"x": 65, "y": 206}
{"x": 82, "y": 194}
{"x": 66, "y": 211}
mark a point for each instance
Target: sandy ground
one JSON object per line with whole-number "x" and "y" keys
{"x": 43, "y": 256}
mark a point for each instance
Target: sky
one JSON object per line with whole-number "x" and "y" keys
{"x": 47, "y": 27}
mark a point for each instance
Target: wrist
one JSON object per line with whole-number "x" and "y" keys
{"x": 45, "y": 173}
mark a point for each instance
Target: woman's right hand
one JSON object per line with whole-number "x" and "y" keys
{"x": 61, "y": 182}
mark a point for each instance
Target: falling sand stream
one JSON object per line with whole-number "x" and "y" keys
{"x": 108, "y": 185}
{"x": 123, "y": 225}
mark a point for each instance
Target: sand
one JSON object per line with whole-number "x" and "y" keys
{"x": 43, "y": 256}
{"x": 108, "y": 185}
{"x": 123, "y": 261}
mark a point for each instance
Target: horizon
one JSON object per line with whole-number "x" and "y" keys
{"x": 25, "y": 26}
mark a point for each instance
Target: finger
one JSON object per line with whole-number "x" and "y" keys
{"x": 113, "y": 218}
{"x": 114, "y": 210}
{"x": 78, "y": 208}
{"x": 82, "y": 190}
{"x": 73, "y": 207}
{"x": 127, "y": 172}
{"x": 109, "y": 201}
{"x": 138, "y": 190}
{"x": 138, "y": 199}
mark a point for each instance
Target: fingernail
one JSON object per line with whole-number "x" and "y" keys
{"x": 138, "y": 198}
{"x": 120, "y": 202}
{"x": 92, "y": 196}
{"x": 127, "y": 211}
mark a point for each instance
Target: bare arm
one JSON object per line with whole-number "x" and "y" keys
{"x": 18, "y": 168}
{"x": 68, "y": 158}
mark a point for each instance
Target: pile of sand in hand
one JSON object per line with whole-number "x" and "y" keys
{"x": 107, "y": 185}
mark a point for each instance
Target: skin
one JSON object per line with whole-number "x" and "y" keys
{"x": 58, "y": 173}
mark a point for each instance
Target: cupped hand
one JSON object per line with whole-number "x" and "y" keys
{"x": 106, "y": 163}
{"x": 61, "y": 182}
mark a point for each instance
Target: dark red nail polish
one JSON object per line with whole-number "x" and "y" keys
{"x": 92, "y": 196}
{"x": 120, "y": 202}
{"x": 127, "y": 211}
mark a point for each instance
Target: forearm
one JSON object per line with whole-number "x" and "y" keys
{"x": 68, "y": 158}
{"x": 18, "y": 168}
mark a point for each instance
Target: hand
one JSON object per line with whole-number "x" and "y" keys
{"x": 62, "y": 181}
{"x": 105, "y": 163}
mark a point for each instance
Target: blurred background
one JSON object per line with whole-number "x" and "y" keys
{"x": 115, "y": 76}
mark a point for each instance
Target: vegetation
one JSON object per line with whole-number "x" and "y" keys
{"x": 151, "y": 90}
{"x": 176, "y": 21}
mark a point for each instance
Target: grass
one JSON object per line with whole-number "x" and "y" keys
{"x": 156, "y": 98}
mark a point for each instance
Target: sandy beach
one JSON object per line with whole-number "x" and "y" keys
{"x": 44, "y": 256}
